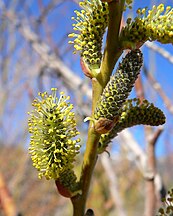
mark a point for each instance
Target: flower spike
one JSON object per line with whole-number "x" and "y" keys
{"x": 155, "y": 24}
{"x": 90, "y": 26}
{"x": 53, "y": 128}
{"x": 133, "y": 113}
{"x": 119, "y": 86}
{"x": 117, "y": 91}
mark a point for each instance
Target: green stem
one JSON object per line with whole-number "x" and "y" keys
{"x": 113, "y": 49}
{"x": 111, "y": 55}
{"x": 90, "y": 158}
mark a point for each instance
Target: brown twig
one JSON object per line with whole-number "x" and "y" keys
{"x": 45, "y": 10}
{"x": 150, "y": 172}
{"x": 153, "y": 46}
{"x": 150, "y": 203}
{"x": 139, "y": 89}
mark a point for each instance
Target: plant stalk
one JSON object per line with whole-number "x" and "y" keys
{"x": 111, "y": 54}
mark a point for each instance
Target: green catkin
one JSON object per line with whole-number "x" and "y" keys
{"x": 90, "y": 26}
{"x": 133, "y": 113}
{"x": 119, "y": 86}
{"x": 154, "y": 24}
{"x": 53, "y": 128}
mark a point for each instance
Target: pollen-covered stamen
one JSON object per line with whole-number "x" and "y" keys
{"x": 53, "y": 128}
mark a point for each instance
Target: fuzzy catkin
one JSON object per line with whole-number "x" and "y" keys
{"x": 90, "y": 25}
{"x": 53, "y": 127}
{"x": 154, "y": 24}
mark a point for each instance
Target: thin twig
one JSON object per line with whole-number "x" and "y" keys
{"x": 167, "y": 55}
{"x": 46, "y": 9}
{"x": 151, "y": 172}
{"x": 159, "y": 90}
{"x": 140, "y": 157}
{"x": 150, "y": 201}
{"x": 48, "y": 57}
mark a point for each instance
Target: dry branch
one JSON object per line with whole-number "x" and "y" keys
{"x": 153, "y": 46}
{"x": 50, "y": 59}
{"x": 159, "y": 90}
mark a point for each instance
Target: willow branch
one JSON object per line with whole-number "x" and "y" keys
{"x": 150, "y": 203}
{"x": 90, "y": 156}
